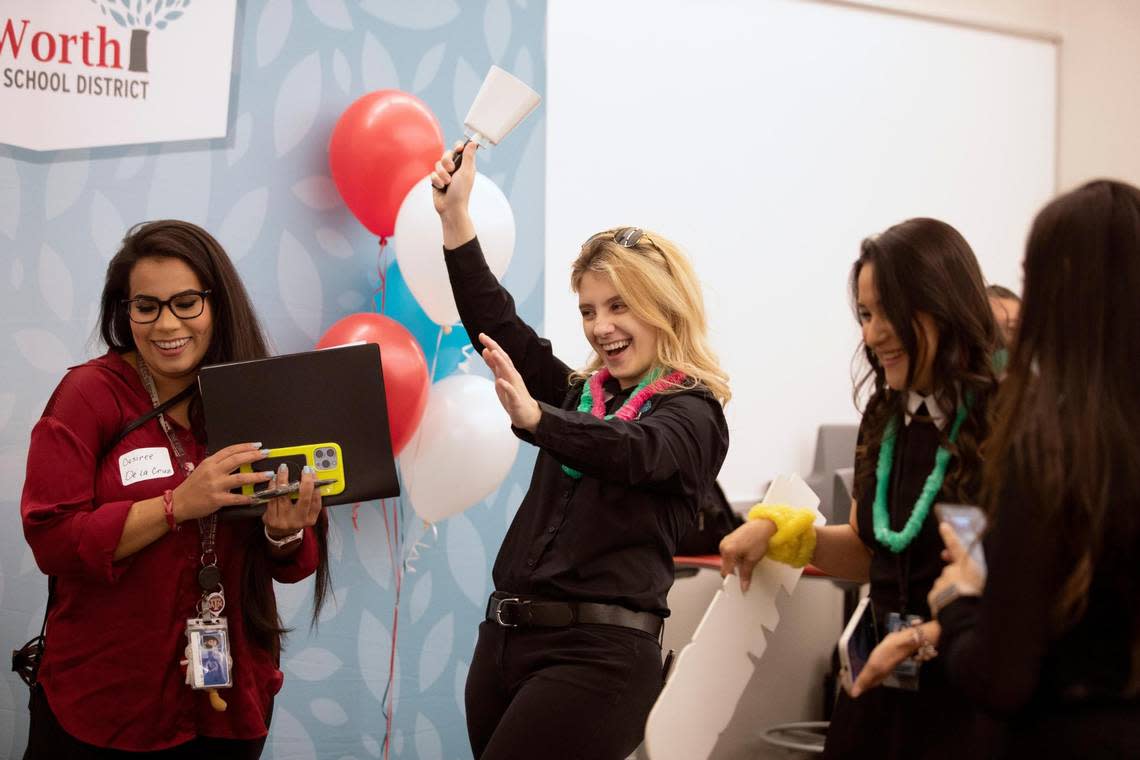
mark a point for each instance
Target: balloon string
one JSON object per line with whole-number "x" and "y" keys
{"x": 382, "y": 273}
{"x": 435, "y": 356}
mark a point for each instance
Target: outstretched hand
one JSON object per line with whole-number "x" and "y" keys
{"x": 524, "y": 411}
{"x": 742, "y": 549}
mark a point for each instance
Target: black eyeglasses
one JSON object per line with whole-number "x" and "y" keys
{"x": 185, "y": 305}
{"x": 626, "y": 237}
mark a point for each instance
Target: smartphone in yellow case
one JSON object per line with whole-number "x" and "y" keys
{"x": 325, "y": 459}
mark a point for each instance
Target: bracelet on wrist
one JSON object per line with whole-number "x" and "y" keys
{"x": 168, "y": 510}
{"x": 282, "y": 542}
{"x": 924, "y": 650}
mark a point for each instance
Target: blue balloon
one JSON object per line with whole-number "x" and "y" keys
{"x": 401, "y": 305}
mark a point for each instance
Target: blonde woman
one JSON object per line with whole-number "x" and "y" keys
{"x": 568, "y": 660}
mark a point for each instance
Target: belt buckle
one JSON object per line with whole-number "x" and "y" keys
{"x": 499, "y": 610}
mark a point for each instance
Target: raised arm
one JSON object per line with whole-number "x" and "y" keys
{"x": 484, "y": 305}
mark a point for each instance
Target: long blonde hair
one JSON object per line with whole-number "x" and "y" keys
{"x": 657, "y": 282}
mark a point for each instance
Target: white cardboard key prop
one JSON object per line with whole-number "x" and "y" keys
{"x": 502, "y": 102}
{"x": 712, "y": 670}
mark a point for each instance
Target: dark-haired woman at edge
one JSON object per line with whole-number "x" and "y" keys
{"x": 1053, "y": 643}
{"x": 928, "y": 335}
{"x": 135, "y": 551}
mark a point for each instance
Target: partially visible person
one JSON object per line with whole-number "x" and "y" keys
{"x": 1053, "y": 640}
{"x": 120, "y": 507}
{"x": 1006, "y": 306}
{"x": 928, "y": 338}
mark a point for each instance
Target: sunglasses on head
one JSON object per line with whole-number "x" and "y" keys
{"x": 626, "y": 237}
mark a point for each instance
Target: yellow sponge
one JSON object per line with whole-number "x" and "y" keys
{"x": 794, "y": 542}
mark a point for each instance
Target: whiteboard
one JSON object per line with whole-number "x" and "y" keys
{"x": 768, "y": 138}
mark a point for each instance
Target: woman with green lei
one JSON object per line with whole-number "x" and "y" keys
{"x": 928, "y": 336}
{"x": 568, "y": 659}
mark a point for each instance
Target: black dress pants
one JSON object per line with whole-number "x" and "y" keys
{"x": 582, "y": 691}
{"x": 48, "y": 741}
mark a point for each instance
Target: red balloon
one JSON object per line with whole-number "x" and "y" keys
{"x": 381, "y": 145}
{"x": 402, "y": 363}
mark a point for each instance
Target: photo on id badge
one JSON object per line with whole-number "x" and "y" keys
{"x": 209, "y": 656}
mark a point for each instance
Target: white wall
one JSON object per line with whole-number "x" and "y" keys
{"x": 1099, "y": 107}
{"x": 768, "y": 138}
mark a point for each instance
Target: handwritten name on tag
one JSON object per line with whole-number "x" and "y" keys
{"x": 145, "y": 464}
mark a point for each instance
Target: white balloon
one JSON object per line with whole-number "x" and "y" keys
{"x": 462, "y": 450}
{"x": 418, "y": 240}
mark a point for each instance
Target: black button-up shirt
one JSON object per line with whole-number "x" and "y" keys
{"x": 609, "y": 536}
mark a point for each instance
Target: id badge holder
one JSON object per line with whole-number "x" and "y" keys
{"x": 209, "y": 662}
{"x": 905, "y": 675}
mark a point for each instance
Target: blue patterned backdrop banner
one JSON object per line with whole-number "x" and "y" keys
{"x": 266, "y": 193}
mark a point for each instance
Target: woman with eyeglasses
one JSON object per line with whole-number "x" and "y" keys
{"x": 1050, "y": 637}
{"x": 568, "y": 660}
{"x": 928, "y": 336}
{"x": 120, "y": 508}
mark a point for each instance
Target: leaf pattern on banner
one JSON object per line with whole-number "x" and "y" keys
{"x": 10, "y": 192}
{"x": 461, "y": 669}
{"x": 131, "y": 163}
{"x": 16, "y": 274}
{"x": 497, "y": 28}
{"x": 371, "y": 544}
{"x": 298, "y": 100}
{"x": 374, "y": 645}
{"x": 317, "y": 192}
{"x": 328, "y": 712}
{"x": 107, "y": 227}
{"x": 525, "y": 272}
{"x": 342, "y": 72}
{"x": 300, "y": 286}
{"x": 55, "y": 283}
{"x": 43, "y": 350}
{"x": 180, "y": 187}
{"x": 334, "y": 603}
{"x": 421, "y": 597}
{"x": 351, "y": 301}
{"x": 333, "y": 242}
{"x": 292, "y": 598}
{"x": 464, "y": 89}
{"x": 467, "y": 559}
{"x": 428, "y": 744}
{"x": 243, "y": 136}
{"x": 273, "y": 29}
{"x": 7, "y": 404}
{"x": 331, "y": 13}
{"x": 289, "y": 737}
{"x": 377, "y": 69}
{"x": 242, "y": 225}
{"x": 437, "y": 650}
{"x": 335, "y": 540}
{"x": 371, "y": 746}
{"x": 428, "y": 67}
{"x": 524, "y": 67}
{"x": 65, "y": 183}
{"x": 313, "y": 664}
{"x": 28, "y": 561}
{"x": 425, "y": 14}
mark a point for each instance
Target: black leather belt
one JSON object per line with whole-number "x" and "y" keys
{"x": 514, "y": 610}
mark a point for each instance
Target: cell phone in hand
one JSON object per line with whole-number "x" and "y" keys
{"x": 859, "y": 639}
{"x": 969, "y": 524}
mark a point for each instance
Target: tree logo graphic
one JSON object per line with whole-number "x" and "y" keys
{"x": 141, "y": 16}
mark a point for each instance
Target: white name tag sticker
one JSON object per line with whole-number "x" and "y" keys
{"x": 145, "y": 464}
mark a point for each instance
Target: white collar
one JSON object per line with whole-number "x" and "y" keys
{"x": 915, "y": 399}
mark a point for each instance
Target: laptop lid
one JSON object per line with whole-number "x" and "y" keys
{"x": 323, "y": 408}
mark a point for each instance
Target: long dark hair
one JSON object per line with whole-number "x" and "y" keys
{"x": 237, "y": 336}
{"x": 1068, "y": 411}
{"x": 924, "y": 265}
